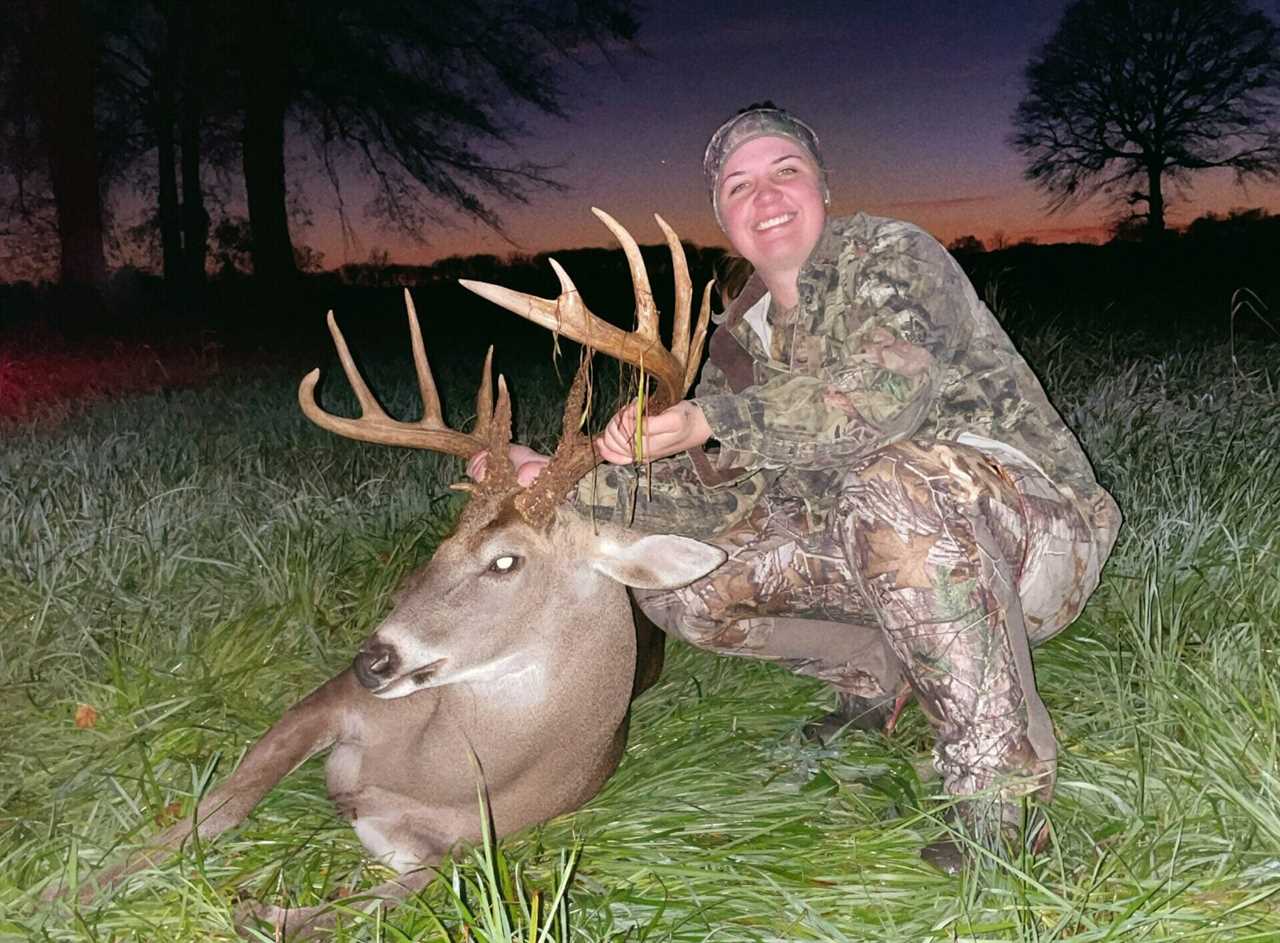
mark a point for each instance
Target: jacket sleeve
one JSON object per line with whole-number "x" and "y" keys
{"x": 667, "y": 496}
{"x": 894, "y": 310}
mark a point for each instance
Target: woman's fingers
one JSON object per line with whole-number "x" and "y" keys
{"x": 525, "y": 460}
{"x": 527, "y": 472}
{"x": 477, "y": 464}
{"x": 614, "y": 445}
{"x": 681, "y": 427}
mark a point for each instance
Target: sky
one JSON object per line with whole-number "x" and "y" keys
{"x": 911, "y": 100}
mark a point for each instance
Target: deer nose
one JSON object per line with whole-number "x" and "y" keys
{"x": 375, "y": 664}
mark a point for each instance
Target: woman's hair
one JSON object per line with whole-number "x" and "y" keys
{"x": 732, "y": 272}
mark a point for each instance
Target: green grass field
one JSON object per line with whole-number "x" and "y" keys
{"x": 179, "y": 567}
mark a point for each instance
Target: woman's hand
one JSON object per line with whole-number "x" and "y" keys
{"x": 674, "y": 430}
{"x": 528, "y": 464}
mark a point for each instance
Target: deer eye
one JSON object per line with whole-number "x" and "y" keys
{"x": 504, "y": 564}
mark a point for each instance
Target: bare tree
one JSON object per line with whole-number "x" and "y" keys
{"x": 1130, "y": 94}
{"x": 418, "y": 99}
{"x": 162, "y": 68}
{"x": 47, "y": 92}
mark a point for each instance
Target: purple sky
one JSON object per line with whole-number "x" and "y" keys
{"x": 911, "y": 99}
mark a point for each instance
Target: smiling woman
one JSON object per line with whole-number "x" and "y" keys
{"x": 904, "y": 511}
{"x": 769, "y": 193}
{"x": 771, "y": 204}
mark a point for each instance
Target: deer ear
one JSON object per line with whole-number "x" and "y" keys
{"x": 659, "y": 561}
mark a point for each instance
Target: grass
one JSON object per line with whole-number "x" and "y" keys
{"x": 181, "y": 566}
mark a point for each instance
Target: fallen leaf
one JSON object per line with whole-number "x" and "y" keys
{"x": 169, "y": 814}
{"x": 86, "y": 716}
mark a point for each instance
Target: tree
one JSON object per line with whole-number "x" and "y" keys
{"x": 1130, "y": 94}
{"x": 162, "y": 73}
{"x": 417, "y": 99}
{"x": 966, "y": 245}
{"x": 48, "y": 108}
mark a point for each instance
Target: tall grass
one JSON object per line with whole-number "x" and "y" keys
{"x": 180, "y": 567}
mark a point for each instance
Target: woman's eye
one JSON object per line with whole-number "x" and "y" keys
{"x": 737, "y": 188}
{"x": 786, "y": 171}
{"x": 504, "y": 564}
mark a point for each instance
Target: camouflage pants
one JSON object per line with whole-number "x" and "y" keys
{"x": 939, "y": 564}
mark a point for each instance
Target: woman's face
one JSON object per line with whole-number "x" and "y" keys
{"x": 771, "y": 204}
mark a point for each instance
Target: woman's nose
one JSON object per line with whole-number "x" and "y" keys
{"x": 766, "y": 192}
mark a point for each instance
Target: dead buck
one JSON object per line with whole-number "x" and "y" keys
{"x": 515, "y": 641}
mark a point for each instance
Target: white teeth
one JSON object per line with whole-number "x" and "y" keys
{"x": 775, "y": 221}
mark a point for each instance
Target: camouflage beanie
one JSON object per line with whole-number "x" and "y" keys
{"x": 749, "y": 124}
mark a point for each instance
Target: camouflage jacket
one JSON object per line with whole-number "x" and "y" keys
{"x": 889, "y": 341}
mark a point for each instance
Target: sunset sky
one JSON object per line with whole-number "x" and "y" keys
{"x": 911, "y": 98}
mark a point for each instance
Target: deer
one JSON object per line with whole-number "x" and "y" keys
{"x": 510, "y": 655}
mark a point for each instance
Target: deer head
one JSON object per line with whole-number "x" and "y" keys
{"x": 522, "y": 572}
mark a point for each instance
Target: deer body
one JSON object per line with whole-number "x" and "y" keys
{"x": 515, "y": 644}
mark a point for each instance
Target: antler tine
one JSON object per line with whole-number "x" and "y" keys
{"x": 699, "y": 339}
{"x": 646, "y": 310}
{"x": 368, "y": 405}
{"x": 566, "y": 314}
{"x": 573, "y": 458}
{"x": 426, "y": 382}
{"x": 432, "y": 416}
{"x": 374, "y": 425}
{"x": 500, "y": 475}
{"x": 684, "y": 294}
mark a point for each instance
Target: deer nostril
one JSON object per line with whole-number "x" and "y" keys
{"x": 374, "y": 664}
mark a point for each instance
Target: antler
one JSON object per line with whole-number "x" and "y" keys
{"x": 673, "y": 368}
{"x": 492, "y": 429}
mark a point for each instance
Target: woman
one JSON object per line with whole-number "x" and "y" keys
{"x": 903, "y": 508}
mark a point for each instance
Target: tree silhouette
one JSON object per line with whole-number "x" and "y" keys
{"x": 416, "y": 99}
{"x": 1129, "y": 94}
{"x": 161, "y": 67}
{"x": 47, "y": 85}
{"x": 966, "y": 245}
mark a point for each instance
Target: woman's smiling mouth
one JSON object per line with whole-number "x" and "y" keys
{"x": 774, "y": 221}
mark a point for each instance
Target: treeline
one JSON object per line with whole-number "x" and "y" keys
{"x": 1217, "y": 274}
{"x": 368, "y": 300}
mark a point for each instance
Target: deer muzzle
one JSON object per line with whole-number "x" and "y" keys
{"x": 376, "y": 664}
{"x": 381, "y": 669}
